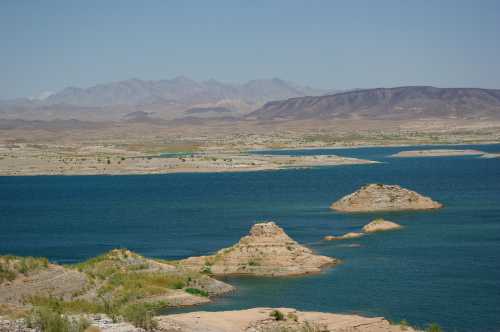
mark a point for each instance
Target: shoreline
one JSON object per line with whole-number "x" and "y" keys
{"x": 343, "y": 147}
{"x": 255, "y": 160}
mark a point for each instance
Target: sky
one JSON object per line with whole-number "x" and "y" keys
{"x": 48, "y": 45}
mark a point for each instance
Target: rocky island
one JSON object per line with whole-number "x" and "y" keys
{"x": 380, "y": 225}
{"x": 266, "y": 251}
{"x": 382, "y": 197}
{"x": 377, "y": 225}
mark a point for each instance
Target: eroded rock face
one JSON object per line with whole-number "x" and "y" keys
{"x": 381, "y": 197}
{"x": 380, "y": 225}
{"x": 266, "y": 251}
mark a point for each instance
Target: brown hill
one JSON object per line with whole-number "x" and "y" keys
{"x": 400, "y": 103}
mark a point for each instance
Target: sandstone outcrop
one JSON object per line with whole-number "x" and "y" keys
{"x": 381, "y": 197}
{"x": 266, "y": 251}
{"x": 380, "y": 225}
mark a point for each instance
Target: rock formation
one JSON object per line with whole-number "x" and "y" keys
{"x": 266, "y": 251}
{"x": 380, "y": 225}
{"x": 346, "y": 236}
{"x": 377, "y": 225}
{"x": 381, "y": 197}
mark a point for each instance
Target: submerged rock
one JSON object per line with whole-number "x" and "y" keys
{"x": 381, "y": 197}
{"x": 380, "y": 225}
{"x": 266, "y": 251}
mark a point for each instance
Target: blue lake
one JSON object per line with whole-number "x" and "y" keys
{"x": 443, "y": 267}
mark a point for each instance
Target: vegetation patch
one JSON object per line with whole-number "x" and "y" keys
{"x": 196, "y": 291}
{"x": 66, "y": 307}
{"x": 48, "y": 320}
{"x": 277, "y": 315}
{"x": 12, "y": 266}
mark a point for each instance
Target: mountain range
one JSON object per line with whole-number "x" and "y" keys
{"x": 189, "y": 101}
{"x": 164, "y": 98}
{"x": 400, "y": 103}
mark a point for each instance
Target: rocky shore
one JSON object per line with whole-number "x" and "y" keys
{"x": 266, "y": 251}
{"x": 382, "y": 197}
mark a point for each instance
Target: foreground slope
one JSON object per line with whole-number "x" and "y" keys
{"x": 261, "y": 319}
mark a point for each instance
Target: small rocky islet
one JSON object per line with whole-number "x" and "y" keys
{"x": 383, "y": 197}
{"x": 380, "y": 198}
{"x": 266, "y": 251}
{"x": 377, "y": 225}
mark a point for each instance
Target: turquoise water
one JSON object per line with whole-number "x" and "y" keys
{"x": 443, "y": 267}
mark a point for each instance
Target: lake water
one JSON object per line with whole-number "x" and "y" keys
{"x": 443, "y": 267}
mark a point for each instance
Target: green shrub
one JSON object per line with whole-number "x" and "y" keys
{"x": 65, "y": 307}
{"x": 433, "y": 327}
{"x": 276, "y": 314}
{"x": 140, "y": 315}
{"x": 12, "y": 266}
{"x": 47, "y": 320}
{"x": 196, "y": 291}
{"x": 206, "y": 270}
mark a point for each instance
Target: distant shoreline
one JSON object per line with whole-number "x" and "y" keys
{"x": 343, "y": 147}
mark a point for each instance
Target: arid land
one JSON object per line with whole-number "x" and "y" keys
{"x": 215, "y": 145}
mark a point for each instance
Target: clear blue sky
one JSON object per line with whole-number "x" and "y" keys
{"x": 47, "y": 45}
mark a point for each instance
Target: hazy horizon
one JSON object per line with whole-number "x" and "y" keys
{"x": 330, "y": 45}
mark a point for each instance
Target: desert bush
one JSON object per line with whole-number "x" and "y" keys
{"x": 12, "y": 266}
{"x": 276, "y": 314}
{"x": 196, "y": 291}
{"x": 433, "y": 327}
{"x": 140, "y": 315}
{"x": 47, "y": 320}
{"x": 66, "y": 307}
